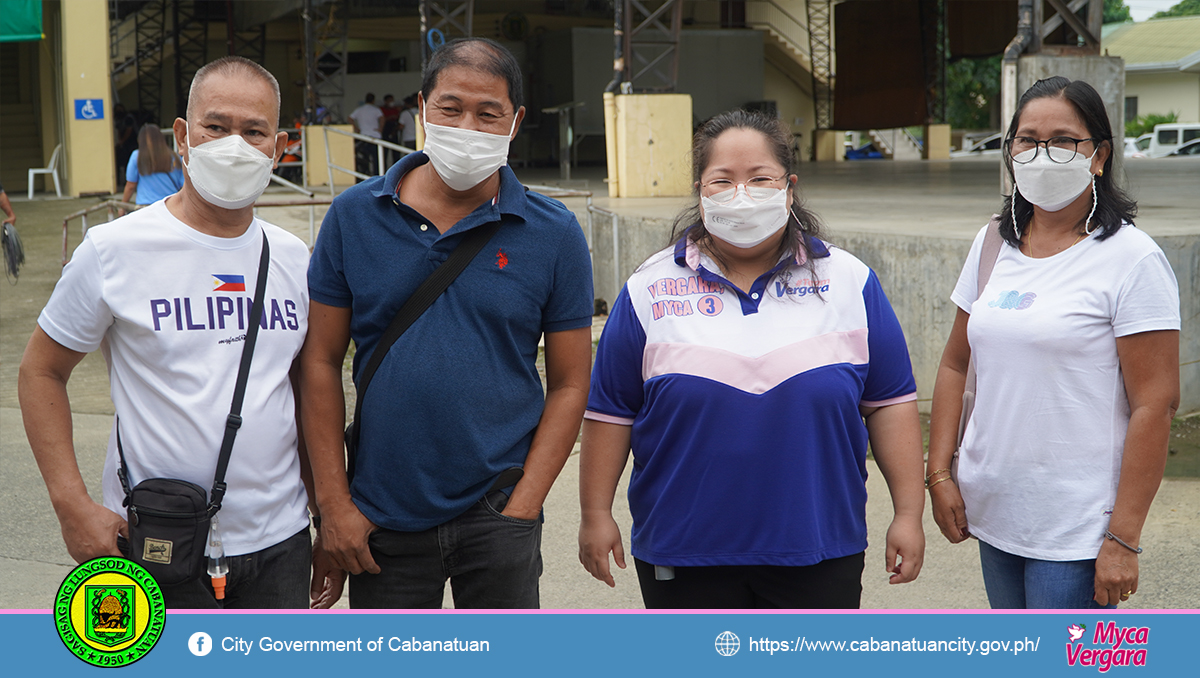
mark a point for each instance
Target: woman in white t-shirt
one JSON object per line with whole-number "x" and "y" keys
{"x": 1075, "y": 342}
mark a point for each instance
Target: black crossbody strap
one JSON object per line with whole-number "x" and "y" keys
{"x": 417, "y": 304}
{"x": 234, "y": 421}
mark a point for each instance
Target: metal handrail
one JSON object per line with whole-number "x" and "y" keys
{"x": 379, "y": 143}
{"x": 111, "y": 206}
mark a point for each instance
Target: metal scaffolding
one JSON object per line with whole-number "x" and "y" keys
{"x": 444, "y": 20}
{"x": 650, "y": 44}
{"x": 820, "y": 48}
{"x": 326, "y": 29}
{"x": 191, "y": 47}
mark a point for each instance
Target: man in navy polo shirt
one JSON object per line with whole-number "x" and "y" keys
{"x": 457, "y": 400}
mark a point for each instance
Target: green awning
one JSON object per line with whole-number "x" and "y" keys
{"x": 20, "y": 20}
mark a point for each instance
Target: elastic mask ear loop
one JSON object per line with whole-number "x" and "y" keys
{"x": 1088, "y": 223}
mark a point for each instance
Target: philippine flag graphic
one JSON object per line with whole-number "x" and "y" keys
{"x": 229, "y": 283}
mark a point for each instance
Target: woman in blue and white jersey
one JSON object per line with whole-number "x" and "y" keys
{"x": 747, "y": 366}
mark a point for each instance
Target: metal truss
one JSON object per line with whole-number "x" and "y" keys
{"x": 452, "y": 18}
{"x": 652, "y": 46}
{"x": 933, "y": 42}
{"x": 326, "y": 29}
{"x": 820, "y": 48}
{"x": 191, "y": 47}
{"x": 1085, "y": 30}
{"x": 150, "y": 34}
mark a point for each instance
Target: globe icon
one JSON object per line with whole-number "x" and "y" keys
{"x": 728, "y": 644}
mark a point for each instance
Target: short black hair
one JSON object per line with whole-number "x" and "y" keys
{"x": 370, "y": 98}
{"x": 1113, "y": 205}
{"x": 480, "y": 54}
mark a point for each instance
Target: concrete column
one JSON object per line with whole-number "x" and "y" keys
{"x": 341, "y": 153}
{"x": 88, "y": 165}
{"x": 654, "y": 141}
{"x": 828, "y": 144}
{"x": 937, "y": 142}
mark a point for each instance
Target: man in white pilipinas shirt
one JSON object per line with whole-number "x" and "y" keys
{"x": 166, "y": 292}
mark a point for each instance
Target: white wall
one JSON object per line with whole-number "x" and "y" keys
{"x": 795, "y": 106}
{"x": 1165, "y": 93}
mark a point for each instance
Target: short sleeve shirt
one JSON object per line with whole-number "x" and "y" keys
{"x": 153, "y": 187}
{"x": 172, "y": 306}
{"x": 458, "y": 397}
{"x": 748, "y": 444}
{"x": 1041, "y": 457}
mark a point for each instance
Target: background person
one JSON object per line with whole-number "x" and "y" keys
{"x": 408, "y": 122}
{"x": 367, "y": 120}
{"x": 154, "y": 169}
{"x": 390, "y": 126}
{"x": 1075, "y": 343}
{"x": 10, "y": 217}
{"x": 739, "y": 364}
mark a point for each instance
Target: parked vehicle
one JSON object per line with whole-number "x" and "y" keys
{"x": 989, "y": 145}
{"x": 1168, "y": 137}
{"x": 1190, "y": 148}
{"x": 1138, "y": 147}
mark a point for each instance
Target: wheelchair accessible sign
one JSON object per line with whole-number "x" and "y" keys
{"x": 89, "y": 109}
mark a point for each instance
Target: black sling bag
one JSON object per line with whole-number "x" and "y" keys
{"x": 169, "y": 518}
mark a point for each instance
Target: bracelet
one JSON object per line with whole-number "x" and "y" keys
{"x": 316, "y": 522}
{"x": 939, "y": 480}
{"x": 931, "y": 475}
{"x": 1110, "y": 535}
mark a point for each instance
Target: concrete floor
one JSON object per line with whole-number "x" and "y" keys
{"x": 911, "y": 197}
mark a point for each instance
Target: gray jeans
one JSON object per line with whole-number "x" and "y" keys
{"x": 492, "y": 561}
{"x": 276, "y": 577}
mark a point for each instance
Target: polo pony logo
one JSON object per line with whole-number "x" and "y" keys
{"x": 501, "y": 259}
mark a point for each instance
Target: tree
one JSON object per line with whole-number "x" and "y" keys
{"x": 1116, "y": 12}
{"x": 972, "y": 88}
{"x": 1183, "y": 8}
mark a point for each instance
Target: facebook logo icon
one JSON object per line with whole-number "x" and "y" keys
{"x": 200, "y": 643}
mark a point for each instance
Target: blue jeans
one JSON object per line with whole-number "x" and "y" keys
{"x": 493, "y": 561}
{"x": 1018, "y": 583}
{"x": 276, "y": 577}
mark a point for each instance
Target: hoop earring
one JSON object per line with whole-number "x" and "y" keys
{"x": 1088, "y": 223}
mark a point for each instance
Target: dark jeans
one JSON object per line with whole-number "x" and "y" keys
{"x": 830, "y": 584}
{"x": 276, "y": 577}
{"x": 493, "y": 562}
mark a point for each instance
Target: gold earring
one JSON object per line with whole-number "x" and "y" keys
{"x": 1100, "y": 173}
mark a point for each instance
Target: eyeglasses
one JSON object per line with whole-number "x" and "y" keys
{"x": 758, "y": 189}
{"x": 1059, "y": 149}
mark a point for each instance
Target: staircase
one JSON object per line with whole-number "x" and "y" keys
{"x": 896, "y": 144}
{"x": 785, "y": 37}
{"x": 20, "y": 131}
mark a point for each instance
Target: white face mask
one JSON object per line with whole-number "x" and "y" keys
{"x": 228, "y": 172}
{"x": 744, "y": 222}
{"x": 463, "y": 158}
{"x": 1050, "y": 185}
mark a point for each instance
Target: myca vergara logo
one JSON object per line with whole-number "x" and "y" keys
{"x": 1112, "y": 645}
{"x": 109, "y": 612}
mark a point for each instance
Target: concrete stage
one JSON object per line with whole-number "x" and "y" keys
{"x": 913, "y": 222}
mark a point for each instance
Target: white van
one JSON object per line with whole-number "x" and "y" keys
{"x": 1170, "y": 136}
